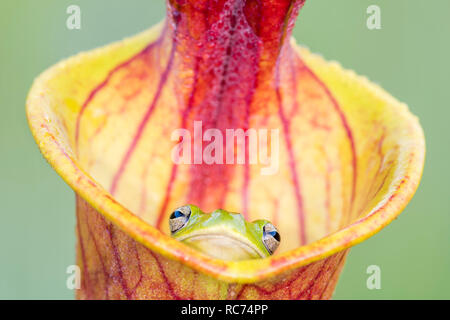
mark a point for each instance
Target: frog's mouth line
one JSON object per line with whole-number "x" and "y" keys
{"x": 234, "y": 241}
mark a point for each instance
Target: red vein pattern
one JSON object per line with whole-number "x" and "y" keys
{"x": 292, "y": 164}
{"x": 105, "y": 82}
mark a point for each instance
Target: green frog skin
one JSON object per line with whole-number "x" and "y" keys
{"x": 224, "y": 235}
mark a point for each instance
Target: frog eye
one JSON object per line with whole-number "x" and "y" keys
{"x": 179, "y": 218}
{"x": 271, "y": 237}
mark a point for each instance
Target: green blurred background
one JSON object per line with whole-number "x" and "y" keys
{"x": 408, "y": 57}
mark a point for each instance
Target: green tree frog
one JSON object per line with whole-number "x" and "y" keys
{"x": 224, "y": 235}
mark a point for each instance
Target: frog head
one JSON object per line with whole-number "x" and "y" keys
{"x": 224, "y": 235}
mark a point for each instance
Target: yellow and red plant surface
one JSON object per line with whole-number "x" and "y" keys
{"x": 351, "y": 156}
